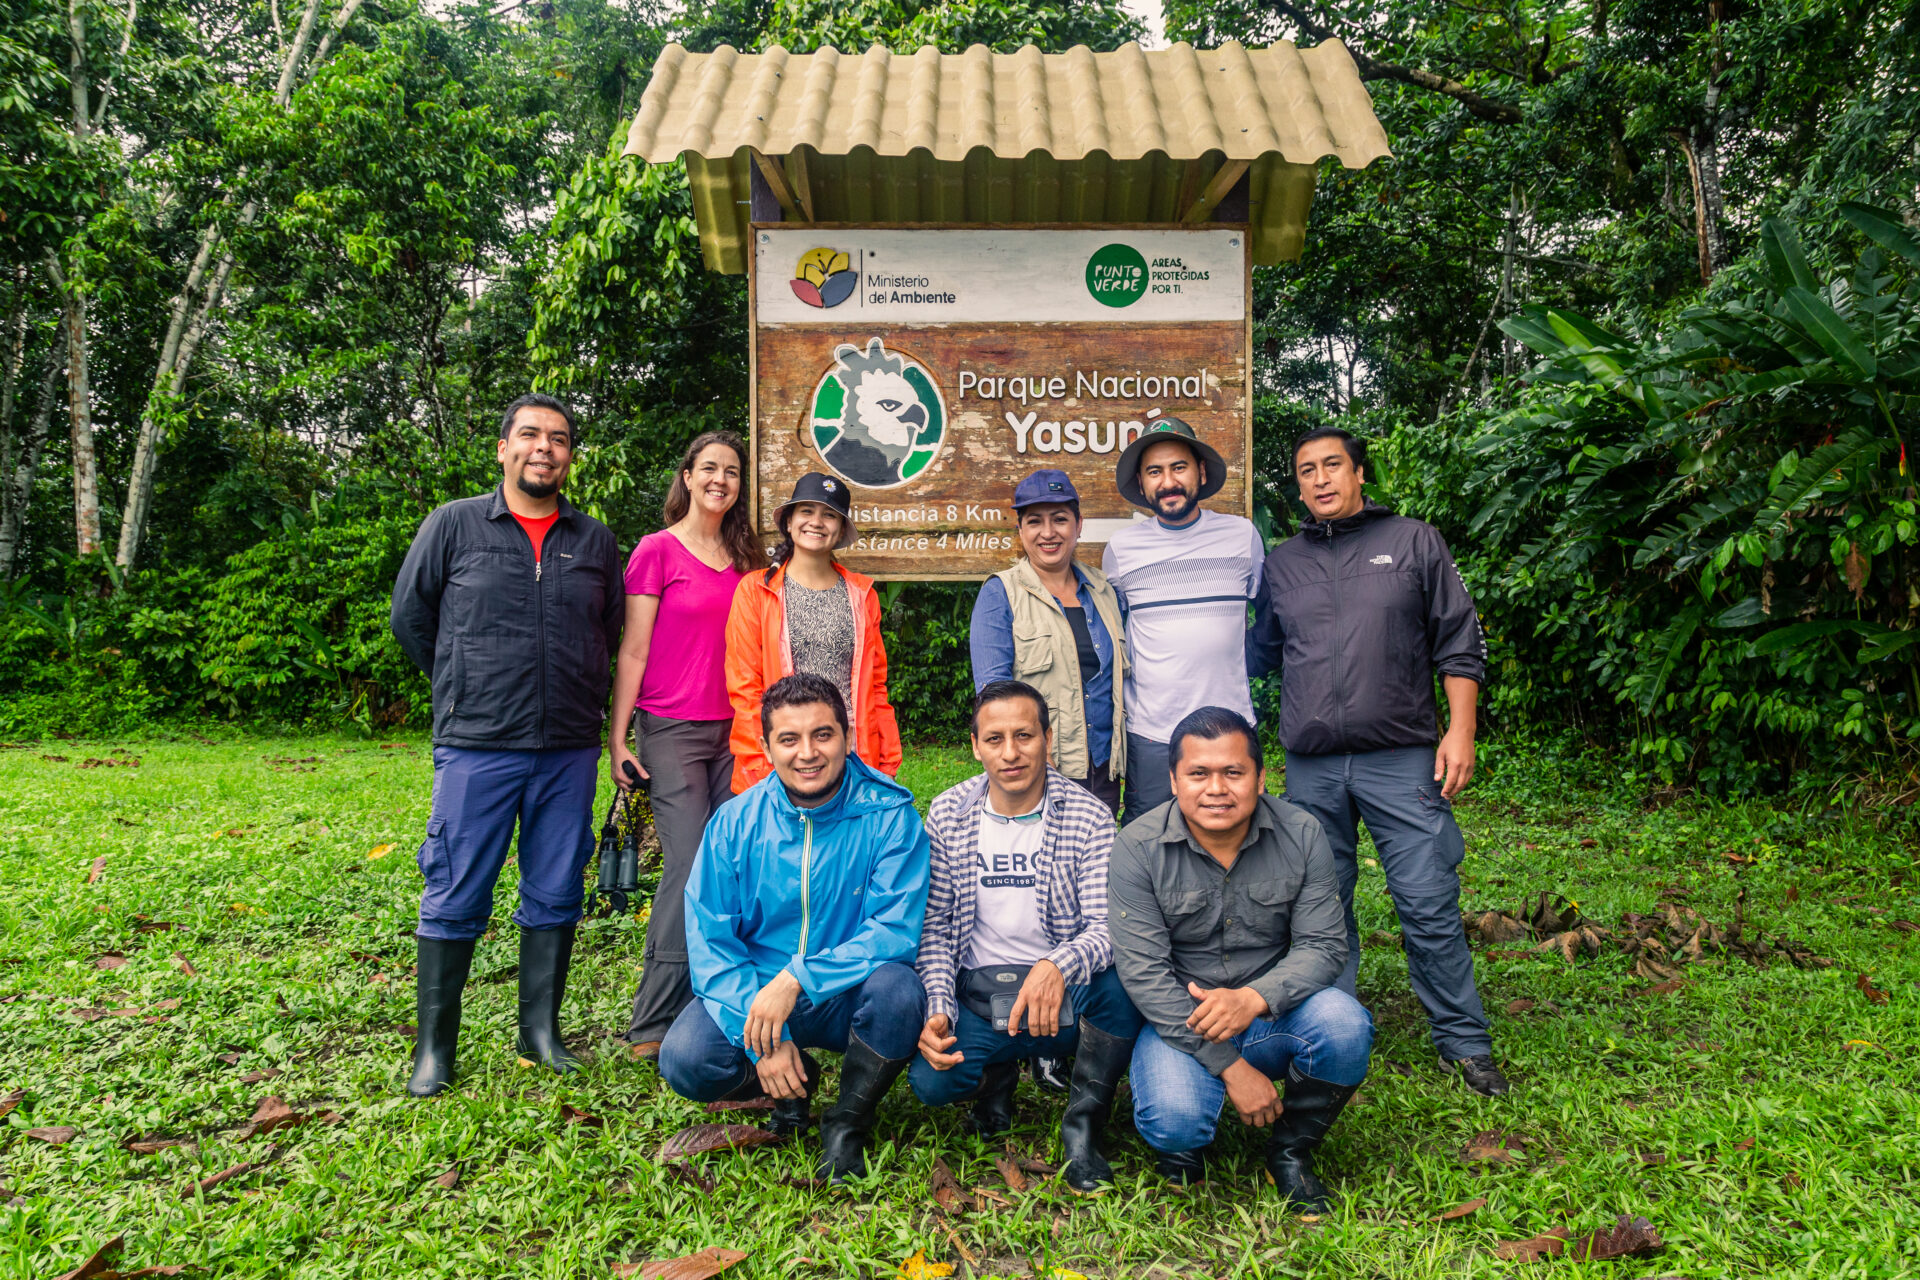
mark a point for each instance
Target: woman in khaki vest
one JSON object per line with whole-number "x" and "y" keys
{"x": 1056, "y": 625}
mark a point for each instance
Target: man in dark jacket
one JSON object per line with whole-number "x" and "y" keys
{"x": 1359, "y": 610}
{"x": 511, "y": 603}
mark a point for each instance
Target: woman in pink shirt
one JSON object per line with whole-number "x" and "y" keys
{"x": 680, "y": 584}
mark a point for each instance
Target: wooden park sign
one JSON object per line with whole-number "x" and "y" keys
{"x": 930, "y": 368}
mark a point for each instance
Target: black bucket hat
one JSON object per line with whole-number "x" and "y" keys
{"x": 817, "y": 486}
{"x": 1126, "y": 473}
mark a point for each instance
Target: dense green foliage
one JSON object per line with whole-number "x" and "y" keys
{"x": 1764, "y": 1120}
{"x": 1554, "y": 314}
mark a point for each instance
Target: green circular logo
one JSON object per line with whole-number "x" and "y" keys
{"x": 878, "y": 419}
{"x": 1117, "y": 275}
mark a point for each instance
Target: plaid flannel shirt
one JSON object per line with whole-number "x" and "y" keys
{"x": 1070, "y": 877}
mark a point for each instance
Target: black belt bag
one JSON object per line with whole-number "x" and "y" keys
{"x": 989, "y": 993}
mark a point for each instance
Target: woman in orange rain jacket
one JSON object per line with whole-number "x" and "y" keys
{"x": 807, "y": 613}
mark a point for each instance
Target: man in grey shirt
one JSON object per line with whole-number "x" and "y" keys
{"x": 1228, "y": 933}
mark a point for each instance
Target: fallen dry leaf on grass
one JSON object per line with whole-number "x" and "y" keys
{"x": 271, "y": 1114}
{"x": 380, "y": 851}
{"x": 1519, "y": 1006}
{"x": 154, "y": 926}
{"x": 1589, "y": 843}
{"x": 450, "y": 1179}
{"x": 57, "y": 1135}
{"x": 1494, "y": 1146}
{"x": 574, "y": 1115}
{"x": 329, "y": 1117}
{"x": 181, "y": 963}
{"x": 1462, "y": 1210}
{"x": 710, "y": 1261}
{"x": 1666, "y": 988}
{"x": 89, "y": 1014}
{"x": 946, "y": 1190}
{"x": 1546, "y": 1245}
{"x": 699, "y": 1138}
{"x": 100, "y": 1263}
{"x": 172, "y": 1002}
{"x": 98, "y": 869}
{"x": 1904, "y": 926}
{"x": 153, "y": 1146}
{"x": 255, "y": 1077}
{"x": 111, "y": 960}
{"x": 743, "y": 1104}
{"x": 10, "y": 1101}
{"x": 1010, "y": 1171}
{"x": 918, "y": 1268}
{"x": 1497, "y": 927}
{"x": 1627, "y": 1238}
{"x": 226, "y": 1175}
{"x": 231, "y": 1059}
{"x": 1873, "y": 994}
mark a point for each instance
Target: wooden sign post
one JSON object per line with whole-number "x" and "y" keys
{"x": 930, "y": 368}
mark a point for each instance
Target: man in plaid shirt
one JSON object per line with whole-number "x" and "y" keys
{"x": 1018, "y": 906}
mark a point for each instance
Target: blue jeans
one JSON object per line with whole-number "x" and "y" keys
{"x": 1103, "y": 1002}
{"x": 886, "y": 1011}
{"x": 478, "y": 799}
{"x": 1420, "y": 849}
{"x": 1176, "y": 1101}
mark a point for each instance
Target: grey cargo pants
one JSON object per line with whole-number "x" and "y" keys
{"x": 1420, "y": 848}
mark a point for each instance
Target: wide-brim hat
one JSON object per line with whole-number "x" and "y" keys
{"x": 817, "y": 486}
{"x": 1126, "y": 472}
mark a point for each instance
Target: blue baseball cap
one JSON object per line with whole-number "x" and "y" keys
{"x": 1045, "y": 485}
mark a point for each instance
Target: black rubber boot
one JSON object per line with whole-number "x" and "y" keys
{"x": 1052, "y": 1074}
{"x": 1310, "y": 1108}
{"x": 865, "y": 1077}
{"x": 792, "y": 1117}
{"x": 442, "y": 971}
{"x": 1184, "y": 1167}
{"x": 993, "y": 1100}
{"x": 1097, "y": 1069}
{"x": 545, "y": 955}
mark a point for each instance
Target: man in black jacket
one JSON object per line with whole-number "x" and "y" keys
{"x": 1359, "y": 610}
{"x": 511, "y": 603}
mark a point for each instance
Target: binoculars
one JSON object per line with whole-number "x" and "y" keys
{"x": 620, "y": 855}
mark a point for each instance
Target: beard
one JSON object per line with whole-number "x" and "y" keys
{"x": 533, "y": 489}
{"x": 819, "y": 795}
{"x": 1185, "y": 501}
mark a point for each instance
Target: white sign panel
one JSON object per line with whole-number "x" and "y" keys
{"x": 864, "y": 277}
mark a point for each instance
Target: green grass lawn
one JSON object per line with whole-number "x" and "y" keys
{"x": 1764, "y": 1119}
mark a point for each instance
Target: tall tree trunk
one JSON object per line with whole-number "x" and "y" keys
{"x": 190, "y": 314}
{"x": 73, "y": 314}
{"x": 1701, "y": 146}
{"x": 27, "y": 465}
{"x": 86, "y": 470}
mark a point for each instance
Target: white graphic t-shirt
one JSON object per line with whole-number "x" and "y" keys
{"x": 1007, "y": 927}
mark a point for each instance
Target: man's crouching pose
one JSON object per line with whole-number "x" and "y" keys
{"x": 1228, "y": 931}
{"x": 803, "y": 912}
{"x": 1015, "y": 958}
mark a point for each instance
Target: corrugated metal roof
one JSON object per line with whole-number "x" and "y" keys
{"x": 1127, "y": 136}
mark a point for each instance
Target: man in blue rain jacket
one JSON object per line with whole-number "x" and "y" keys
{"x": 803, "y": 919}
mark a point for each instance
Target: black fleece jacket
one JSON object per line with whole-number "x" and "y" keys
{"x": 1358, "y": 614}
{"x": 519, "y": 651}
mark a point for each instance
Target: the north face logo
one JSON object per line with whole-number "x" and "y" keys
{"x": 1381, "y": 560}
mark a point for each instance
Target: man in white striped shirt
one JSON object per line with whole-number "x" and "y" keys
{"x": 1184, "y": 579}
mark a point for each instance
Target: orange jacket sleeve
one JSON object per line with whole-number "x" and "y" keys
{"x": 876, "y": 710}
{"x": 747, "y": 681}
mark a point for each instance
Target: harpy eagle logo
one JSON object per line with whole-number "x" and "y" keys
{"x": 881, "y": 422}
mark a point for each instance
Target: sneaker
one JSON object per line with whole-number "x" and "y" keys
{"x": 1478, "y": 1073}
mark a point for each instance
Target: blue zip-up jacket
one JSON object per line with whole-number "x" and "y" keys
{"x": 828, "y": 894}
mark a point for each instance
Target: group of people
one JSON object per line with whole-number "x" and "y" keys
{"x": 1206, "y": 949}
